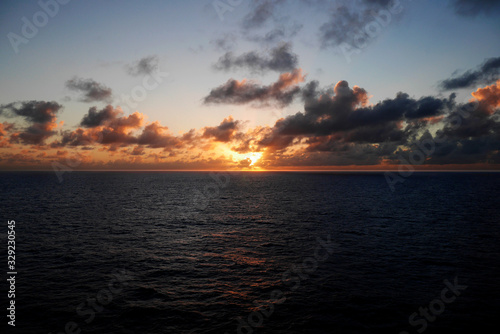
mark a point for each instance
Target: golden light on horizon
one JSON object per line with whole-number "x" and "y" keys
{"x": 254, "y": 157}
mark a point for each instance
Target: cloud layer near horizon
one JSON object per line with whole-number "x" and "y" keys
{"x": 337, "y": 127}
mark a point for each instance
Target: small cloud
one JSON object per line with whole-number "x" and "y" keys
{"x": 279, "y": 59}
{"x": 485, "y": 74}
{"x": 143, "y": 66}
{"x": 92, "y": 90}
{"x": 224, "y": 132}
{"x": 280, "y": 93}
{"x": 96, "y": 118}
{"x": 225, "y": 43}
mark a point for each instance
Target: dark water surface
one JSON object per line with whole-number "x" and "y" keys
{"x": 252, "y": 252}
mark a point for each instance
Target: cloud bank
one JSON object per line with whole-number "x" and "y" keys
{"x": 485, "y": 74}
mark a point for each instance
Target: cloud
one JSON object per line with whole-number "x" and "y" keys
{"x": 280, "y": 93}
{"x": 155, "y": 135}
{"x": 470, "y": 135}
{"x": 338, "y": 126}
{"x": 262, "y": 11}
{"x": 92, "y": 90}
{"x": 143, "y": 66}
{"x": 280, "y": 59}
{"x": 343, "y": 115}
{"x": 96, "y": 118}
{"x": 489, "y": 96}
{"x": 107, "y": 126}
{"x": 353, "y": 22}
{"x": 223, "y": 132}
{"x": 224, "y": 43}
{"x": 5, "y": 129}
{"x": 277, "y": 34}
{"x": 476, "y": 7}
{"x": 485, "y": 74}
{"x": 138, "y": 150}
{"x": 41, "y": 116}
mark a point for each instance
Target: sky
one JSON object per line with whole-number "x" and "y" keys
{"x": 249, "y": 85}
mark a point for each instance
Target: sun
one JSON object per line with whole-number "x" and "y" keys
{"x": 254, "y": 157}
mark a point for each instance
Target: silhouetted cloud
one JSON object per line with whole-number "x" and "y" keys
{"x": 475, "y": 7}
{"x": 107, "y": 126}
{"x": 224, "y": 131}
{"x": 143, "y": 66}
{"x": 280, "y": 93}
{"x": 280, "y": 59}
{"x": 261, "y": 12}
{"x": 357, "y": 21}
{"x": 485, "y": 74}
{"x": 470, "y": 134}
{"x": 41, "y": 115}
{"x": 96, "y": 118}
{"x": 337, "y": 127}
{"x": 344, "y": 115}
{"x": 92, "y": 90}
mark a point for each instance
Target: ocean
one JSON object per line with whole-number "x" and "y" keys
{"x": 251, "y": 252}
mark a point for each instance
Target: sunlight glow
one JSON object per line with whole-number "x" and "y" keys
{"x": 254, "y": 157}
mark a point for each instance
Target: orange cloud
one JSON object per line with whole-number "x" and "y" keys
{"x": 489, "y": 95}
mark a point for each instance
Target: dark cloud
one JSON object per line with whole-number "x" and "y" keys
{"x": 261, "y": 12}
{"x": 92, "y": 90}
{"x": 268, "y": 23}
{"x": 144, "y": 66}
{"x": 357, "y": 22}
{"x": 469, "y": 133}
{"x": 32, "y": 111}
{"x": 280, "y": 59}
{"x": 485, "y": 74}
{"x": 224, "y": 131}
{"x": 41, "y": 116}
{"x": 344, "y": 116}
{"x": 96, "y": 118}
{"x": 280, "y": 93}
{"x": 108, "y": 126}
{"x": 476, "y": 7}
